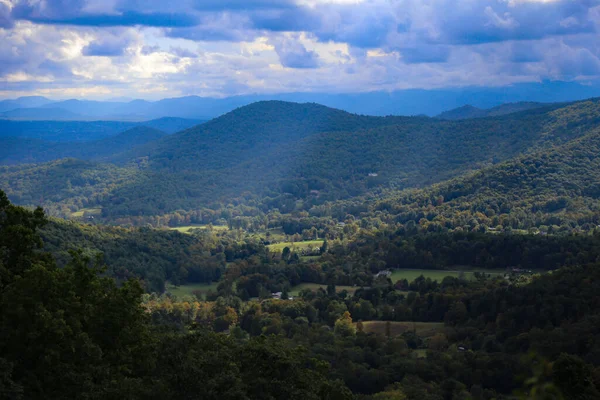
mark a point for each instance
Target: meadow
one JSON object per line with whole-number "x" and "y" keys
{"x": 87, "y": 211}
{"x": 315, "y": 286}
{"x": 189, "y": 289}
{"x": 189, "y": 228}
{"x": 438, "y": 275}
{"x": 295, "y": 246}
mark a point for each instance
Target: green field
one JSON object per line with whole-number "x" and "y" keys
{"x": 438, "y": 275}
{"x": 423, "y": 329}
{"x": 278, "y": 247}
{"x": 88, "y": 211}
{"x": 188, "y": 228}
{"x": 315, "y": 286}
{"x": 188, "y": 290}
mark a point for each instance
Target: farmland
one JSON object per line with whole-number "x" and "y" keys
{"x": 87, "y": 212}
{"x": 189, "y": 228}
{"x": 439, "y": 275}
{"x": 315, "y": 286}
{"x": 295, "y": 246}
{"x": 188, "y": 290}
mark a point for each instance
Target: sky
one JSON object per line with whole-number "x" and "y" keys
{"x": 100, "y": 49}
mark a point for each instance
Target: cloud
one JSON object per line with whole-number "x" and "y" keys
{"x": 225, "y": 47}
{"x": 242, "y": 5}
{"x": 429, "y": 54}
{"x": 107, "y": 46}
{"x": 293, "y": 54}
{"x": 6, "y": 20}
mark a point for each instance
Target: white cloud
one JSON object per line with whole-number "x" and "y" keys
{"x": 306, "y": 45}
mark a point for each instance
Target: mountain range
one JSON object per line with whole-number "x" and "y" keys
{"x": 401, "y": 102}
{"x": 82, "y": 131}
{"x": 294, "y": 158}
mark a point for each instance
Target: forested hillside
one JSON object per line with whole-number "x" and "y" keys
{"x": 468, "y": 111}
{"x": 297, "y": 156}
{"x": 29, "y": 151}
{"x": 82, "y": 131}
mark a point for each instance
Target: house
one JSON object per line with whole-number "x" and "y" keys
{"x": 315, "y": 192}
{"x": 373, "y": 174}
{"x": 387, "y": 273}
{"x": 276, "y": 295}
{"x": 341, "y": 224}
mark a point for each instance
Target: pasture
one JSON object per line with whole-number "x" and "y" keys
{"x": 296, "y": 246}
{"x": 189, "y": 289}
{"x": 87, "y": 212}
{"x": 187, "y": 229}
{"x": 437, "y": 275}
{"x": 315, "y": 286}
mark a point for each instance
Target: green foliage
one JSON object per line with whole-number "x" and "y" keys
{"x": 22, "y": 151}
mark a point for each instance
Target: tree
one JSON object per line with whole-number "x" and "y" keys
{"x": 574, "y": 378}
{"x": 286, "y": 253}
{"x": 344, "y": 325}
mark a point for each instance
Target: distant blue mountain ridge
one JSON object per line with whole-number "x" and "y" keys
{"x": 401, "y": 102}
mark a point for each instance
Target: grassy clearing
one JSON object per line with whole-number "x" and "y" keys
{"x": 295, "y": 246}
{"x": 315, "y": 286}
{"x": 87, "y": 211}
{"x": 438, "y": 275}
{"x": 188, "y": 290}
{"x": 423, "y": 329}
{"x": 188, "y": 228}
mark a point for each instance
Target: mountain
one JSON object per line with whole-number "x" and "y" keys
{"x": 80, "y": 131}
{"x": 37, "y": 114}
{"x": 468, "y": 111}
{"x": 297, "y": 157}
{"x": 401, "y": 102}
{"x": 171, "y": 124}
{"x": 23, "y": 102}
{"x": 24, "y": 150}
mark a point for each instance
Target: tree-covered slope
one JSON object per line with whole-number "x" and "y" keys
{"x": 213, "y": 164}
{"x": 63, "y": 186}
{"x": 82, "y": 131}
{"x": 468, "y": 111}
{"x": 23, "y": 150}
{"x": 555, "y": 189}
{"x": 295, "y": 156}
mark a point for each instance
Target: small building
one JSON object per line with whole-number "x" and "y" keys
{"x": 387, "y": 273}
{"x": 373, "y": 174}
{"x": 276, "y": 295}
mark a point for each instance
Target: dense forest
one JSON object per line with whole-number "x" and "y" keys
{"x": 285, "y": 157}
